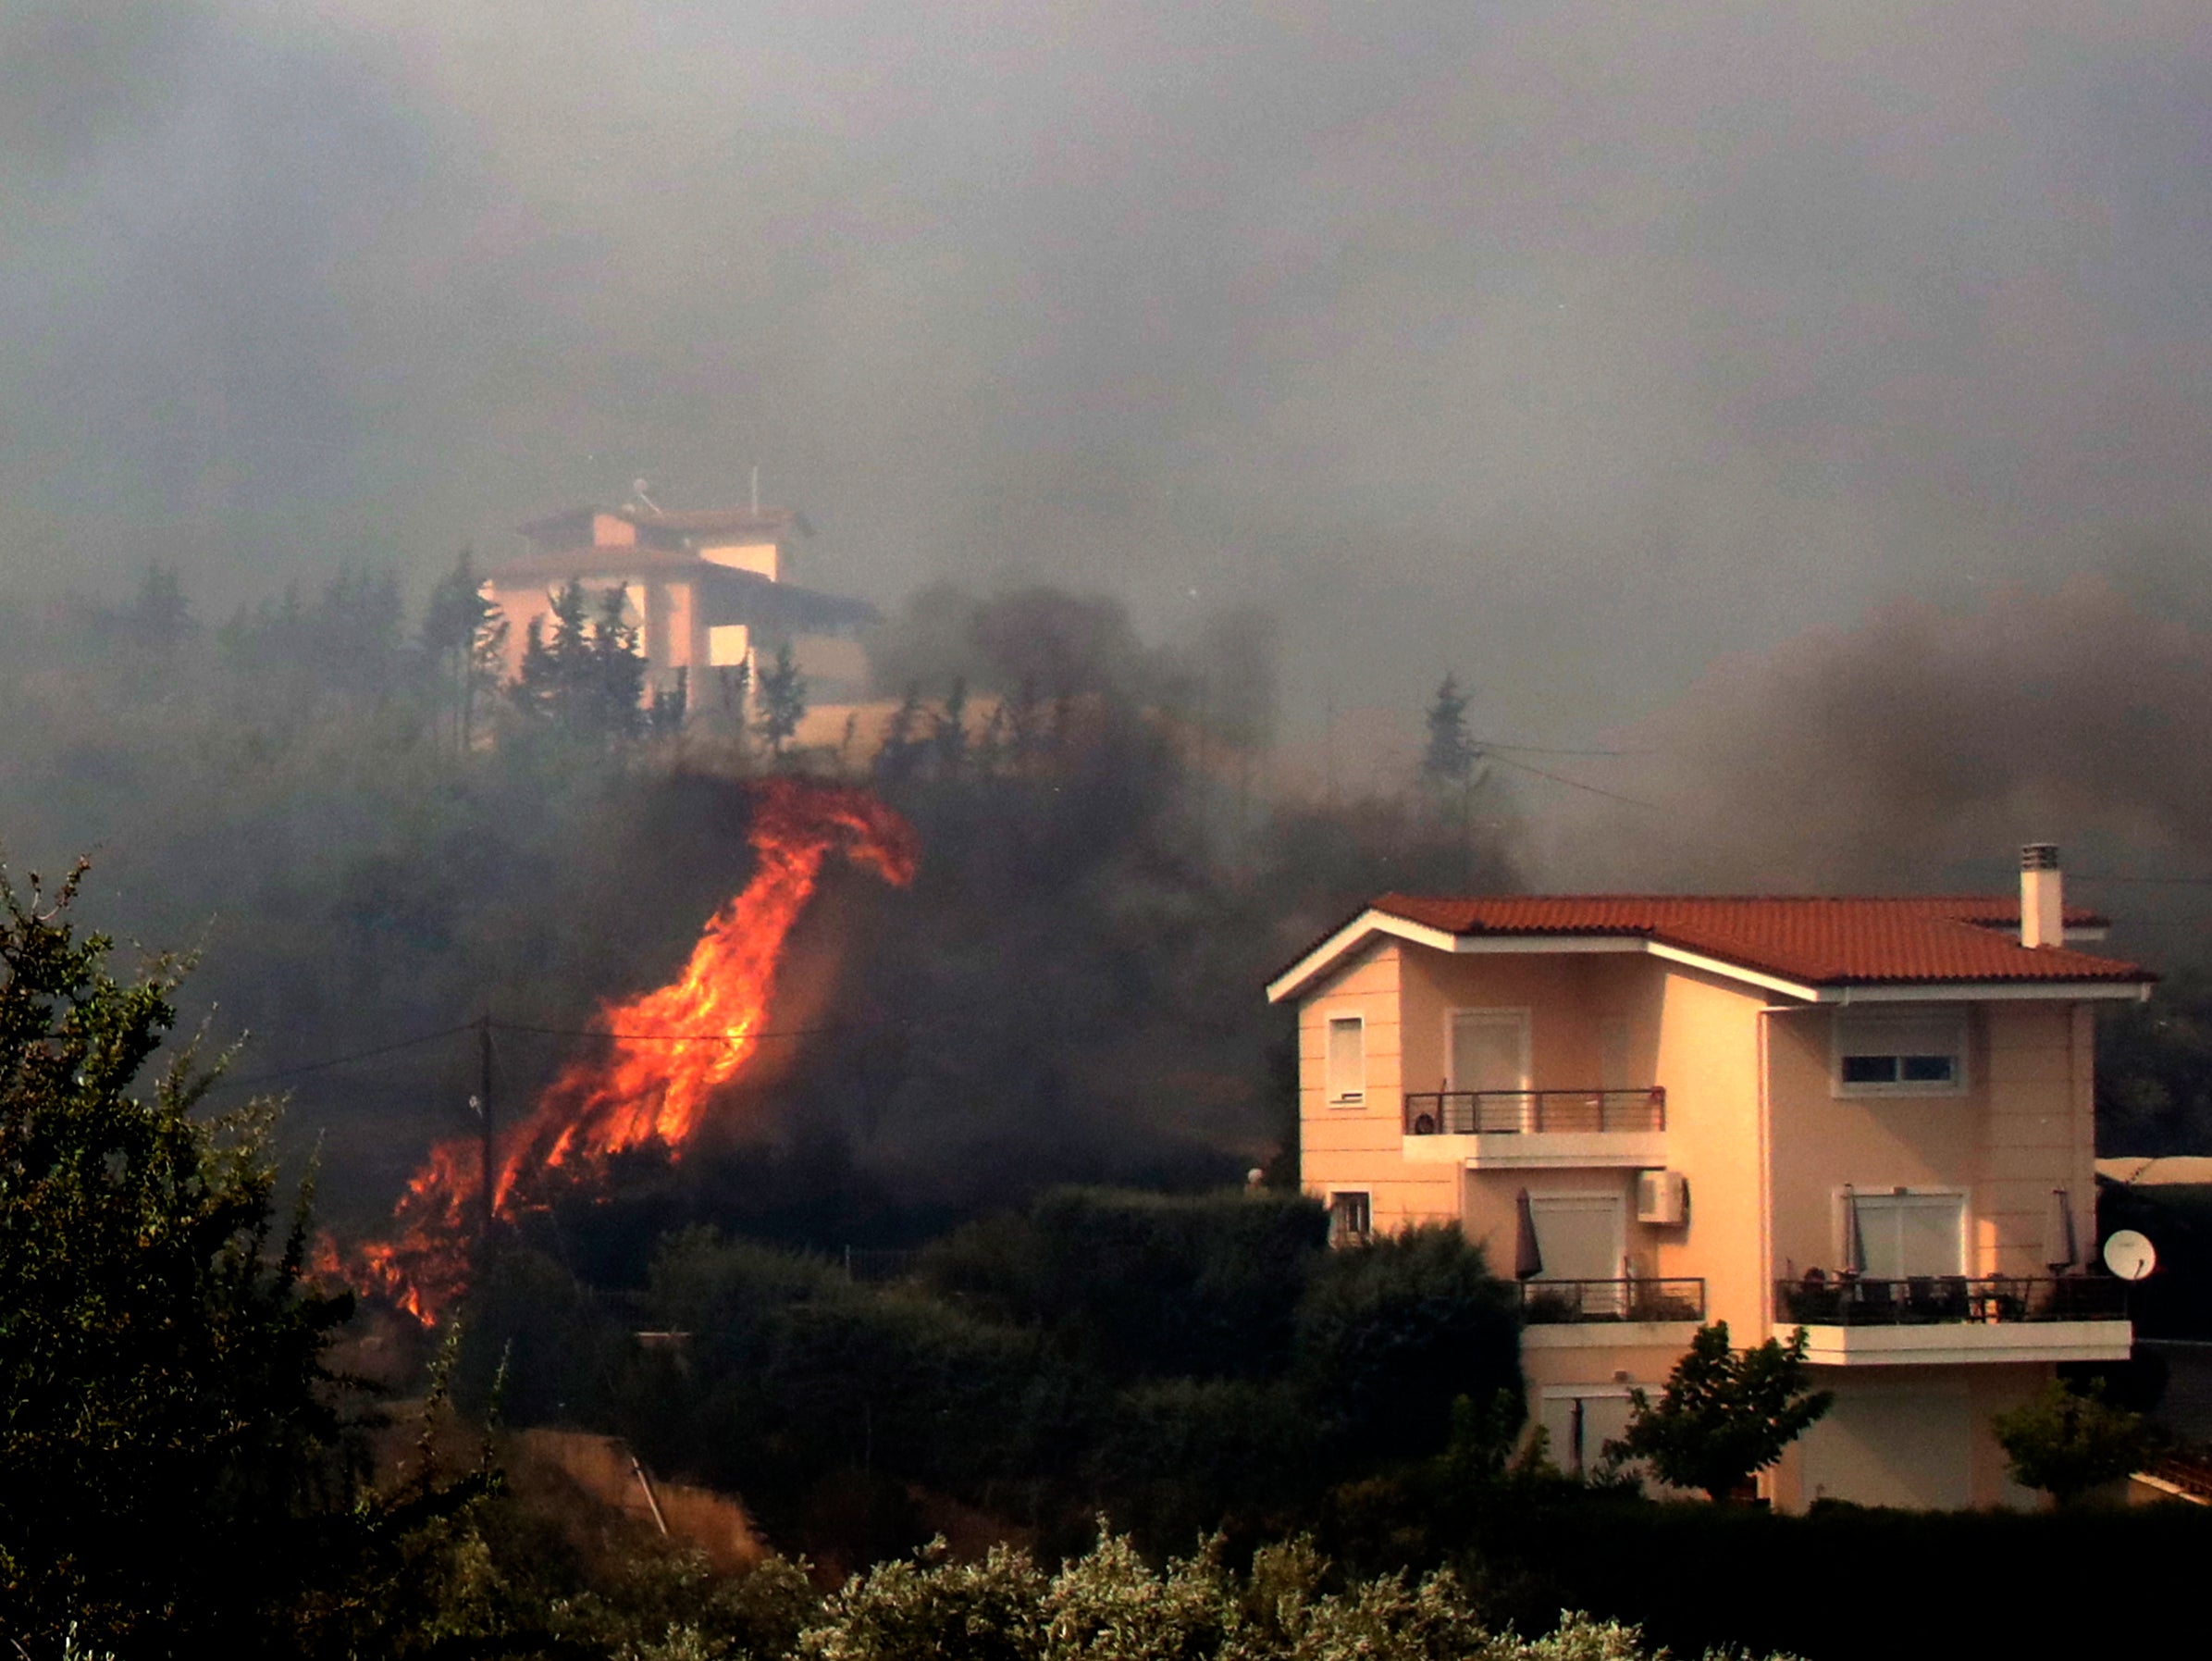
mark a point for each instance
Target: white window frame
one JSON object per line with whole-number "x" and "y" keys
{"x": 1584, "y": 1458}
{"x": 1520, "y": 1014}
{"x": 1335, "y": 1099}
{"x": 1966, "y": 1219}
{"x": 1348, "y": 1237}
{"x": 1617, "y": 1201}
{"x": 1847, "y": 1020}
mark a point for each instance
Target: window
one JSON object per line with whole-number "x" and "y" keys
{"x": 1918, "y": 1054}
{"x": 1351, "y": 1219}
{"x": 727, "y": 644}
{"x": 1580, "y": 1236}
{"x": 1347, "y": 1059}
{"x": 1490, "y": 1049}
{"x": 1580, "y": 1419}
{"x": 1908, "y": 1235}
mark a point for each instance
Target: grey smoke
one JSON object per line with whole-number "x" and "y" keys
{"x": 1566, "y": 347}
{"x": 1919, "y": 749}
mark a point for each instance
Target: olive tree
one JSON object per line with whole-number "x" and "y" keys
{"x": 173, "y": 1455}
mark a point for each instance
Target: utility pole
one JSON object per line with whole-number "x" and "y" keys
{"x": 482, "y": 1103}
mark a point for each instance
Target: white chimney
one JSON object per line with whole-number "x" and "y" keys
{"x": 2042, "y": 896}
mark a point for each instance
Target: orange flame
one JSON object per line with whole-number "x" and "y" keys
{"x": 654, "y": 1087}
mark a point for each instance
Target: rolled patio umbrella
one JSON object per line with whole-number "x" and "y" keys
{"x": 1854, "y": 1236}
{"x": 1528, "y": 1258}
{"x": 2061, "y": 1250}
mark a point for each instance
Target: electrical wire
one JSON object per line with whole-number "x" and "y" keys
{"x": 1578, "y": 784}
{"x": 791, "y": 1031}
{"x": 274, "y": 1074}
{"x": 1545, "y": 750}
{"x": 2151, "y": 882}
{"x": 359, "y": 1055}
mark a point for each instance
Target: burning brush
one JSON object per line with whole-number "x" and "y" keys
{"x": 653, "y": 1089}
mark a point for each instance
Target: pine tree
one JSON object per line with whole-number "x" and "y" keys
{"x": 949, "y": 735}
{"x": 1448, "y": 761}
{"x": 614, "y": 705}
{"x": 896, "y": 757}
{"x": 550, "y": 682}
{"x": 783, "y": 700}
{"x": 665, "y": 718}
{"x": 1449, "y": 768}
{"x": 585, "y": 675}
{"x": 465, "y": 635}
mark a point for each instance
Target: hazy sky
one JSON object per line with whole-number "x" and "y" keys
{"x": 1567, "y": 345}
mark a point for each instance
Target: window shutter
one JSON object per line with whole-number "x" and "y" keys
{"x": 1347, "y": 1058}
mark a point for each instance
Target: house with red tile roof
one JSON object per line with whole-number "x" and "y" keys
{"x": 708, "y": 589}
{"x": 1868, "y": 1118}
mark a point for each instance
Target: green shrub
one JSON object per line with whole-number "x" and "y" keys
{"x": 1140, "y": 1285}
{"x": 1176, "y": 1457}
{"x": 1390, "y": 1334}
{"x": 1109, "y": 1605}
{"x": 560, "y": 1351}
{"x": 2067, "y": 1441}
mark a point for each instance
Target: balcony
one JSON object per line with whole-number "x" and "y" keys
{"x": 1572, "y": 1303}
{"x": 1501, "y": 1129}
{"x": 1929, "y": 1319}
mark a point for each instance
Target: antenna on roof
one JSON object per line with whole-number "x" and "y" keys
{"x": 756, "y": 487}
{"x": 637, "y": 489}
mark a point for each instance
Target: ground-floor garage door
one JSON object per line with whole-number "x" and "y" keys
{"x": 1894, "y": 1446}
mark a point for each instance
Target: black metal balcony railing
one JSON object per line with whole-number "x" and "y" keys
{"x": 1929, "y": 1300}
{"x": 1494, "y": 1112}
{"x": 1557, "y": 1303}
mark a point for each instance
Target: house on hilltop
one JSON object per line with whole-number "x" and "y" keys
{"x": 707, "y": 589}
{"x": 1871, "y": 1118}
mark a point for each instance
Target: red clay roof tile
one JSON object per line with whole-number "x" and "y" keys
{"x": 1815, "y": 941}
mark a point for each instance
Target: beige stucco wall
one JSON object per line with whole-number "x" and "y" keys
{"x": 1910, "y": 1436}
{"x": 1708, "y": 1061}
{"x": 1346, "y": 1147}
{"x": 765, "y": 559}
{"x": 1691, "y": 1033}
{"x": 2023, "y": 1126}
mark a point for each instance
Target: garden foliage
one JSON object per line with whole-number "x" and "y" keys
{"x": 1179, "y": 1362}
{"x": 1723, "y": 1417}
{"x": 2067, "y": 1440}
{"x": 174, "y": 1465}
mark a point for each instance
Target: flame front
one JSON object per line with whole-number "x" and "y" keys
{"x": 652, "y": 1088}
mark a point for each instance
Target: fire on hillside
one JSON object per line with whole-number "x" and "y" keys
{"x": 671, "y": 1051}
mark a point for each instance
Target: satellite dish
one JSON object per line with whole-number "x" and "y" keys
{"x": 2129, "y": 1255}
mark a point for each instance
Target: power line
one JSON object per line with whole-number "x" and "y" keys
{"x": 1576, "y": 783}
{"x": 789, "y": 1032}
{"x": 275, "y": 1073}
{"x": 351, "y": 1056}
{"x": 2152, "y": 882}
{"x": 1544, "y": 750}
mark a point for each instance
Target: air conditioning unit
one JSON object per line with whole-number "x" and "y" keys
{"x": 1662, "y": 1196}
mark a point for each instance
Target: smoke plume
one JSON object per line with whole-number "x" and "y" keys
{"x": 1917, "y": 750}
